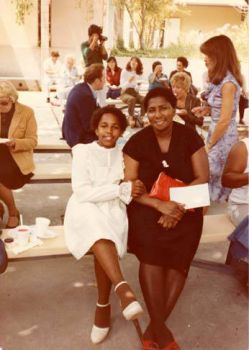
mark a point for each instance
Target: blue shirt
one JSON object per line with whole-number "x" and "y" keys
{"x": 157, "y": 83}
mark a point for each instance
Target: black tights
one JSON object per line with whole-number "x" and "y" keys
{"x": 161, "y": 289}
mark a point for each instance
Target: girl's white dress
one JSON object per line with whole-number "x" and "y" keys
{"x": 96, "y": 209}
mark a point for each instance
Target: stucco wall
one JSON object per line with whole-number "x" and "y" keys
{"x": 209, "y": 18}
{"x": 17, "y": 35}
{"x": 18, "y": 43}
{"x": 70, "y": 22}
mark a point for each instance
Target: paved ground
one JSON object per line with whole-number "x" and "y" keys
{"x": 48, "y": 304}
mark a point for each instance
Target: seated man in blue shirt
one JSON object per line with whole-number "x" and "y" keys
{"x": 81, "y": 104}
{"x": 157, "y": 78}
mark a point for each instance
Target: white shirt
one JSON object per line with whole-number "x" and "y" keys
{"x": 52, "y": 69}
{"x": 124, "y": 79}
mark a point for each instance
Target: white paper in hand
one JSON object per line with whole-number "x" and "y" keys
{"x": 3, "y": 140}
{"x": 192, "y": 196}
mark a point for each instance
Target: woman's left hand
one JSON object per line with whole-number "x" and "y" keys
{"x": 11, "y": 143}
{"x": 167, "y": 221}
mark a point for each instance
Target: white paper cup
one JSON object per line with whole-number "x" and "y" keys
{"x": 22, "y": 235}
{"x": 41, "y": 226}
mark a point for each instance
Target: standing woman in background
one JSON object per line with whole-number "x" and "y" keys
{"x": 223, "y": 97}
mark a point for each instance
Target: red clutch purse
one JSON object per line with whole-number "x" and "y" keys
{"x": 161, "y": 186}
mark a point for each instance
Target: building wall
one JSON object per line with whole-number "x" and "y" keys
{"x": 17, "y": 35}
{"x": 209, "y": 18}
{"x": 18, "y": 43}
{"x": 20, "y": 54}
{"x": 201, "y": 19}
{"x": 70, "y": 22}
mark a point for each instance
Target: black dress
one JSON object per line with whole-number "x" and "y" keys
{"x": 10, "y": 174}
{"x": 148, "y": 240}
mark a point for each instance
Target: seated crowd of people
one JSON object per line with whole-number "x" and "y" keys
{"x": 124, "y": 84}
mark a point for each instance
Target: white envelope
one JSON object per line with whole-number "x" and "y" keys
{"x": 192, "y": 196}
{"x": 3, "y": 140}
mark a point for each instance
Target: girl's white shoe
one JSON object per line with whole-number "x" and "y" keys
{"x": 133, "y": 310}
{"x": 98, "y": 334}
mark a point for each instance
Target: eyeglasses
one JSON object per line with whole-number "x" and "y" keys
{"x": 4, "y": 103}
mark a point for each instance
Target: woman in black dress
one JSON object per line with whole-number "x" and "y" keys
{"x": 163, "y": 235}
{"x": 18, "y": 138}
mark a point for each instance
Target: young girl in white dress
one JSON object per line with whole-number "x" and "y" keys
{"x": 95, "y": 217}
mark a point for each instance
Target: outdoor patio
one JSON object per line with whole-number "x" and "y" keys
{"x": 49, "y": 303}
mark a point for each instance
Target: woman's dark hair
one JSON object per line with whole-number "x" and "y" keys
{"x": 167, "y": 94}
{"x": 183, "y": 60}
{"x": 154, "y": 64}
{"x": 97, "y": 115}
{"x": 221, "y": 51}
{"x": 139, "y": 69}
{"x": 112, "y": 58}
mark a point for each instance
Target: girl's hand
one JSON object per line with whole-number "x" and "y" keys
{"x": 172, "y": 209}
{"x": 137, "y": 189}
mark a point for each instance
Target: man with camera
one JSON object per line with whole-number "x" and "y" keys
{"x": 93, "y": 50}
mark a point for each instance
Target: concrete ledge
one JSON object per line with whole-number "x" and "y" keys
{"x": 52, "y": 146}
{"x": 216, "y": 228}
{"x": 24, "y": 83}
{"x": 52, "y": 173}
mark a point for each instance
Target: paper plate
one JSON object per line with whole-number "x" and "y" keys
{"x": 46, "y": 235}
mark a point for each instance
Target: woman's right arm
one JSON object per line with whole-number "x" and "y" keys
{"x": 227, "y": 102}
{"x": 170, "y": 208}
